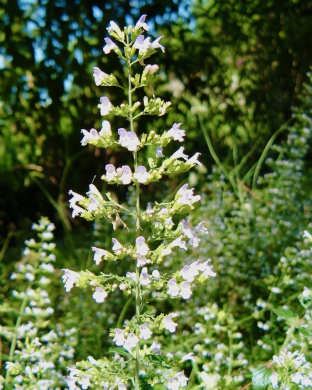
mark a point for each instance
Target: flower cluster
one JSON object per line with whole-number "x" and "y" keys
{"x": 142, "y": 356}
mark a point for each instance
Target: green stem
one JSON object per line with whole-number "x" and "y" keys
{"x": 137, "y": 187}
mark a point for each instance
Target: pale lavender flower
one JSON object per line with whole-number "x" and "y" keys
{"x": 141, "y": 23}
{"x": 99, "y": 295}
{"x": 200, "y": 228}
{"x": 92, "y": 360}
{"x": 84, "y": 381}
{"x": 155, "y": 348}
{"x": 179, "y": 154}
{"x": 110, "y": 45}
{"x": 186, "y": 291}
{"x": 207, "y": 269}
{"x": 173, "y": 384}
{"x": 297, "y": 377}
{"x": 105, "y": 385}
{"x": 142, "y": 260}
{"x": 145, "y": 278}
{"x": 186, "y": 196}
{"x": 142, "y": 248}
{"x": 142, "y": 44}
{"x": 128, "y": 139}
{"x": 145, "y": 332}
{"x": 110, "y": 171}
{"x": 182, "y": 379}
{"x": 114, "y": 28}
{"x": 141, "y": 175}
{"x": 98, "y": 75}
{"x": 274, "y": 380}
{"x": 176, "y": 133}
{"x": 159, "y": 152}
{"x": 189, "y": 233}
{"x": 105, "y": 106}
{"x": 155, "y": 45}
{"x": 72, "y": 203}
{"x": 131, "y": 275}
{"x": 189, "y": 273}
{"x": 194, "y": 160}
{"x": 126, "y": 176}
{"x": 169, "y": 324}
{"x": 131, "y": 341}
{"x": 173, "y": 288}
{"x": 93, "y": 135}
{"x": 71, "y": 383}
{"x": 69, "y": 279}
{"x": 119, "y": 338}
{"x": 149, "y": 209}
{"x": 178, "y": 242}
{"x": 117, "y": 247}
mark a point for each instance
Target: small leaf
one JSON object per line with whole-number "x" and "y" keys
{"x": 121, "y": 351}
{"x": 306, "y": 332}
{"x": 286, "y": 314}
{"x": 261, "y": 378}
{"x": 158, "y": 360}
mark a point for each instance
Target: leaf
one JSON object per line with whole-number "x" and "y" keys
{"x": 158, "y": 360}
{"x": 261, "y": 377}
{"x": 144, "y": 385}
{"x": 120, "y": 351}
{"x": 306, "y": 332}
{"x": 286, "y": 314}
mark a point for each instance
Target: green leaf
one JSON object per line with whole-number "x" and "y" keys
{"x": 306, "y": 332}
{"x": 120, "y": 351}
{"x": 286, "y": 314}
{"x": 158, "y": 360}
{"x": 261, "y": 377}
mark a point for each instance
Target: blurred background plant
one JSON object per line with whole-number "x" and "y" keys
{"x": 236, "y": 71}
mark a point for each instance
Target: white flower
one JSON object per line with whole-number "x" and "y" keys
{"x": 169, "y": 324}
{"x": 179, "y": 154}
{"x": 194, "y": 160}
{"x": 185, "y": 196}
{"x": 72, "y": 203}
{"x": 105, "y": 106}
{"x": 110, "y": 45}
{"x": 141, "y": 175}
{"x": 98, "y": 75}
{"x": 84, "y": 381}
{"x": 98, "y": 254}
{"x": 142, "y": 248}
{"x": 99, "y": 295}
{"x": 140, "y": 23}
{"x": 200, "y": 228}
{"x": 155, "y": 45}
{"x": 142, "y": 44}
{"x": 186, "y": 291}
{"x": 297, "y": 377}
{"x": 128, "y": 139}
{"x": 159, "y": 152}
{"x": 131, "y": 275}
{"x": 110, "y": 171}
{"x": 105, "y": 384}
{"x": 69, "y": 279}
{"x": 173, "y": 384}
{"x": 189, "y": 356}
{"x": 176, "y": 133}
{"x": 119, "y": 338}
{"x": 145, "y": 332}
{"x": 126, "y": 176}
{"x": 131, "y": 341}
{"x": 142, "y": 260}
{"x": 178, "y": 242}
{"x": 276, "y": 290}
{"x": 155, "y": 347}
{"x": 189, "y": 273}
{"x": 189, "y": 233}
{"x": 182, "y": 379}
{"x": 117, "y": 247}
{"x": 206, "y": 269}
{"x": 306, "y": 234}
{"x": 145, "y": 278}
{"x": 173, "y": 288}
{"x": 149, "y": 209}
{"x": 274, "y": 380}
{"x": 93, "y": 135}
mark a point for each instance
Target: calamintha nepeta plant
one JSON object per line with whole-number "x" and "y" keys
{"x": 137, "y": 358}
